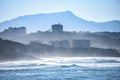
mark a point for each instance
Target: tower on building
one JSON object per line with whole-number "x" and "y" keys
{"x": 57, "y": 28}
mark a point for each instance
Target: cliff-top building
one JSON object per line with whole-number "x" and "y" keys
{"x": 57, "y": 28}
{"x": 15, "y": 31}
{"x": 62, "y": 43}
{"x": 81, "y": 43}
{"x": 13, "y": 34}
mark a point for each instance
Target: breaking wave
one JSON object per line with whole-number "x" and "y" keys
{"x": 61, "y": 68}
{"x": 61, "y": 62}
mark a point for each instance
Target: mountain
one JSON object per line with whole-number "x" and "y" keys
{"x": 68, "y": 19}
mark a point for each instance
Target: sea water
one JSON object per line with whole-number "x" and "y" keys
{"x": 61, "y": 68}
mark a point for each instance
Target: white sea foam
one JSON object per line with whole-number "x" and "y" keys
{"x": 62, "y": 61}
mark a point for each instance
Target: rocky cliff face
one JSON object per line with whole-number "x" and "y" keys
{"x": 10, "y": 50}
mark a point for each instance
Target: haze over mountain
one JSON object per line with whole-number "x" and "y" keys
{"x": 70, "y": 22}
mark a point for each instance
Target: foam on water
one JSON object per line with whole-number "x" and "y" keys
{"x": 62, "y": 61}
{"x": 61, "y": 68}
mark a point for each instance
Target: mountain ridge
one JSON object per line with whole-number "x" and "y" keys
{"x": 70, "y": 22}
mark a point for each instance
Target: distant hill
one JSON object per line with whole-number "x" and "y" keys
{"x": 68, "y": 19}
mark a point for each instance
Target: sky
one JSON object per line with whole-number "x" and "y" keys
{"x": 93, "y": 10}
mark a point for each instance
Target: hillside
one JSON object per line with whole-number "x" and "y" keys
{"x": 10, "y": 50}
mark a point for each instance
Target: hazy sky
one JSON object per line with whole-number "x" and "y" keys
{"x": 95, "y": 10}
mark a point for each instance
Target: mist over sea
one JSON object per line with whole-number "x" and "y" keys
{"x": 62, "y": 68}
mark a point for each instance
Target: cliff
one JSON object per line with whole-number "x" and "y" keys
{"x": 10, "y": 50}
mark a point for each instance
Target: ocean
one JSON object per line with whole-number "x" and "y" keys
{"x": 61, "y": 68}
